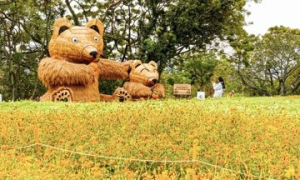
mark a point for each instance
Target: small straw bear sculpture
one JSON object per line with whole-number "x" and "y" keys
{"x": 74, "y": 67}
{"x": 143, "y": 84}
{"x": 144, "y": 81}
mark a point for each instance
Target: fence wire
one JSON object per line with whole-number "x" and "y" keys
{"x": 134, "y": 159}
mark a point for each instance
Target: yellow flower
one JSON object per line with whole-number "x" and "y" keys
{"x": 290, "y": 172}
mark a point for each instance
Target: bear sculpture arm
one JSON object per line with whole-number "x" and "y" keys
{"x": 53, "y": 72}
{"x": 159, "y": 88}
{"x": 112, "y": 70}
{"x": 137, "y": 90}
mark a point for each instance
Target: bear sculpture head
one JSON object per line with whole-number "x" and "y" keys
{"x": 77, "y": 44}
{"x": 145, "y": 73}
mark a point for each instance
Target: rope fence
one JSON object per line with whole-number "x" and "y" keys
{"x": 38, "y": 145}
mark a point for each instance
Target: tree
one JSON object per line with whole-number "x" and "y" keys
{"x": 24, "y": 35}
{"x": 200, "y": 67}
{"x": 270, "y": 65}
{"x": 176, "y": 27}
{"x": 279, "y": 53}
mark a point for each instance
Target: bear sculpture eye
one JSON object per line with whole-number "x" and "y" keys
{"x": 74, "y": 40}
{"x": 144, "y": 69}
{"x": 96, "y": 39}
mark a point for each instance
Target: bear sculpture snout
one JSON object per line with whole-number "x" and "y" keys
{"x": 89, "y": 53}
{"x": 94, "y": 54}
{"x": 155, "y": 81}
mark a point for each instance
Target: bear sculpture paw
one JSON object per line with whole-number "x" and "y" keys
{"x": 122, "y": 94}
{"x": 63, "y": 94}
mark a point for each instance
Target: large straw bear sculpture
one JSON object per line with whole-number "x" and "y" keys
{"x": 72, "y": 71}
{"x": 143, "y": 81}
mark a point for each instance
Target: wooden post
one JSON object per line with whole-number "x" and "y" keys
{"x": 36, "y": 140}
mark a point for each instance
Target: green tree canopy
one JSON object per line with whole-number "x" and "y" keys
{"x": 24, "y": 35}
{"x": 200, "y": 67}
{"x": 269, "y": 65}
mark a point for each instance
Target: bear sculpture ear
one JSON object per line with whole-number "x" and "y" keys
{"x": 154, "y": 64}
{"x": 135, "y": 64}
{"x": 62, "y": 29}
{"x": 96, "y": 25}
{"x": 60, "y": 26}
{"x": 95, "y": 28}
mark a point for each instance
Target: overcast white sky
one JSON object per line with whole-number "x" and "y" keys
{"x": 271, "y": 13}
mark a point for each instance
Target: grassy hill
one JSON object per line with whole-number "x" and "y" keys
{"x": 227, "y": 138}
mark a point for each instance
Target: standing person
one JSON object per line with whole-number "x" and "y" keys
{"x": 218, "y": 88}
{"x": 222, "y": 82}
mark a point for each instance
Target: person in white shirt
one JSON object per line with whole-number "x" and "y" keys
{"x": 218, "y": 88}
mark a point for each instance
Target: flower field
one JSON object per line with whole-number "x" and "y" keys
{"x": 226, "y": 138}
